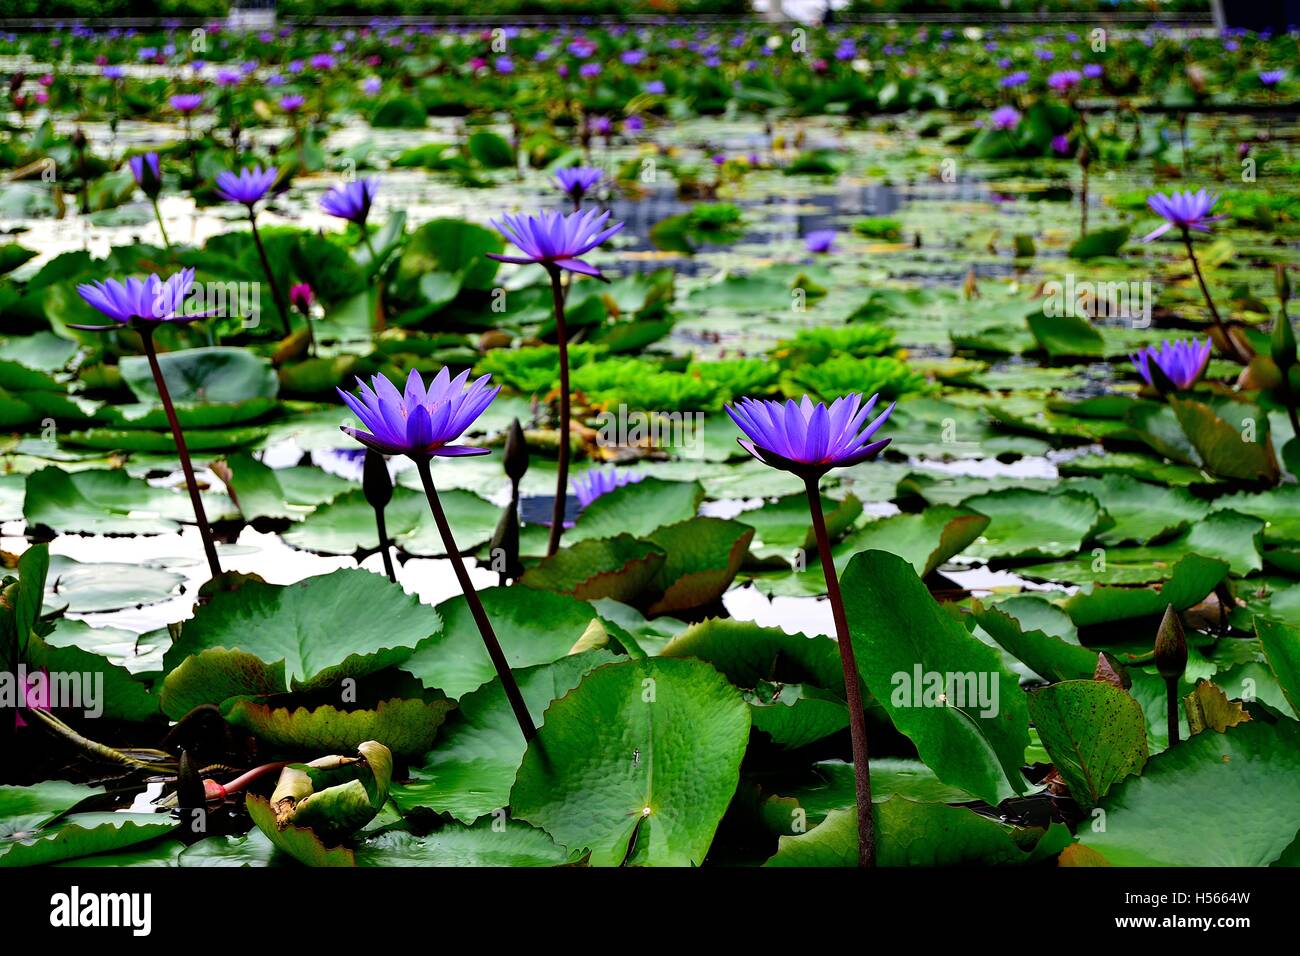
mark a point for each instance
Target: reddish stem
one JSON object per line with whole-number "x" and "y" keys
{"x": 200, "y": 516}
{"x": 852, "y": 688}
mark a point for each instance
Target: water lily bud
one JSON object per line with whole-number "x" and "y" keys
{"x": 1085, "y": 154}
{"x": 1282, "y": 343}
{"x": 334, "y": 796}
{"x": 1282, "y": 282}
{"x": 516, "y": 456}
{"x": 79, "y": 138}
{"x": 1171, "y": 646}
{"x": 376, "y": 482}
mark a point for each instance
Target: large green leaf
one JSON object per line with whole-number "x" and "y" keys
{"x": 1282, "y": 649}
{"x": 1095, "y": 733}
{"x": 638, "y": 509}
{"x": 82, "y": 834}
{"x": 899, "y": 630}
{"x": 1048, "y": 655}
{"x": 405, "y": 727}
{"x": 621, "y": 568}
{"x": 748, "y": 653}
{"x": 213, "y": 374}
{"x": 348, "y": 623}
{"x": 1033, "y": 524}
{"x": 489, "y": 843}
{"x": 533, "y": 627}
{"x": 1231, "y": 438}
{"x": 1216, "y": 799}
{"x": 637, "y": 764}
{"x": 920, "y": 834}
{"x": 702, "y": 558}
{"x": 926, "y": 540}
{"x": 470, "y": 772}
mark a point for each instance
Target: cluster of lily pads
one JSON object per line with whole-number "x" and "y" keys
{"x": 1041, "y": 561}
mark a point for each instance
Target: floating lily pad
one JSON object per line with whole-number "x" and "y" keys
{"x": 636, "y": 764}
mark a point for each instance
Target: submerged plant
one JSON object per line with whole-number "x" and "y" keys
{"x": 421, "y": 423}
{"x": 808, "y": 440}
{"x": 557, "y": 243}
{"x": 144, "y": 305}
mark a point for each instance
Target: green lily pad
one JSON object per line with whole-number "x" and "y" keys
{"x": 533, "y": 627}
{"x": 899, "y": 630}
{"x": 302, "y": 626}
{"x": 1048, "y": 655}
{"x": 702, "y": 558}
{"x": 406, "y": 727}
{"x": 214, "y": 374}
{"x": 470, "y": 773}
{"x": 920, "y": 834}
{"x": 1033, "y": 524}
{"x": 1095, "y": 733}
{"x": 489, "y": 843}
{"x": 783, "y": 527}
{"x": 638, "y": 509}
{"x": 637, "y": 763}
{"x": 82, "y": 834}
{"x": 1215, "y": 799}
{"x": 621, "y": 568}
{"x": 1282, "y": 649}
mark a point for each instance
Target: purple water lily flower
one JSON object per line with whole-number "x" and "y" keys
{"x": 114, "y": 73}
{"x": 1005, "y": 118}
{"x": 140, "y": 300}
{"x": 1272, "y": 78}
{"x": 372, "y": 85}
{"x": 1061, "y": 144}
{"x": 556, "y": 241}
{"x": 147, "y": 173}
{"x": 1093, "y": 71}
{"x": 1187, "y": 210}
{"x": 1182, "y": 362}
{"x": 186, "y": 103}
{"x": 820, "y": 240}
{"x": 351, "y": 201}
{"x": 600, "y": 481}
{"x": 1012, "y": 80}
{"x": 249, "y": 186}
{"x": 577, "y": 181}
{"x": 292, "y": 103}
{"x": 420, "y": 422}
{"x": 809, "y": 439}
{"x": 1064, "y": 80}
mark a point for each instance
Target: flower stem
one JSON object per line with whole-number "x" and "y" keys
{"x": 1230, "y": 344}
{"x": 475, "y": 605}
{"x": 381, "y": 527}
{"x": 562, "y": 471}
{"x": 161, "y": 228}
{"x": 1171, "y": 708}
{"x": 270, "y": 277}
{"x": 205, "y": 531}
{"x": 852, "y": 688}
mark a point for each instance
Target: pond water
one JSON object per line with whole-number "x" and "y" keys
{"x": 950, "y": 230}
